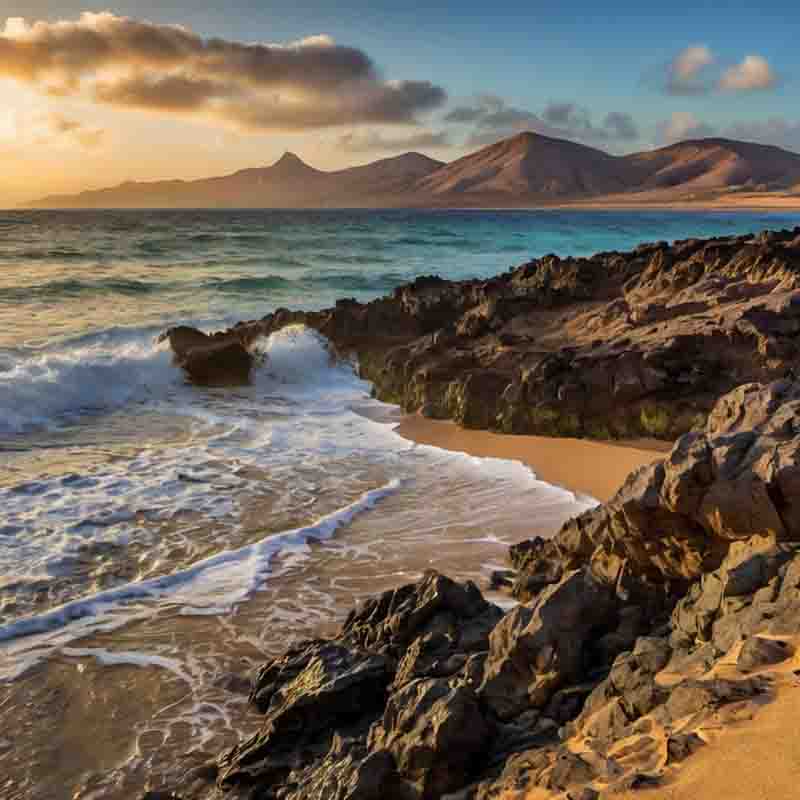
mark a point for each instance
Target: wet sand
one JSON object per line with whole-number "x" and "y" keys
{"x": 597, "y": 469}
{"x": 128, "y": 709}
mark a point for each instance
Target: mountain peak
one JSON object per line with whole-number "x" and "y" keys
{"x": 290, "y": 158}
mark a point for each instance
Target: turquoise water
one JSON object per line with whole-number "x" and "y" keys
{"x": 67, "y": 274}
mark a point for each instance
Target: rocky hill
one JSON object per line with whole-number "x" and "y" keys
{"x": 526, "y": 170}
{"x": 288, "y": 183}
{"x": 530, "y": 166}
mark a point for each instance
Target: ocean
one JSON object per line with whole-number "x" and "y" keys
{"x": 159, "y": 540}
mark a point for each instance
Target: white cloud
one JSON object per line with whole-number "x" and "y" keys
{"x": 680, "y": 126}
{"x": 685, "y": 71}
{"x": 696, "y": 71}
{"x": 690, "y": 61}
{"x": 752, "y": 74}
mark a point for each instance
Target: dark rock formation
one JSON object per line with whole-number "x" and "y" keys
{"x": 598, "y": 683}
{"x": 387, "y": 710}
{"x": 222, "y": 359}
{"x": 616, "y": 345}
{"x": 539, "y": 648}
{"x": 722, "y": 505}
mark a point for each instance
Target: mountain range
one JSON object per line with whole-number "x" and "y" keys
{"x": 525, "y": 170}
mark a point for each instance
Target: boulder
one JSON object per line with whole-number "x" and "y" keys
{"x": 537, "y": 649}
{"x": 436, "y": 733}
{"x": 758, "y": 653}
{"x": 323, "y": 689}
{"x": 222, "y": 359}
{"x": 386, "y": 710}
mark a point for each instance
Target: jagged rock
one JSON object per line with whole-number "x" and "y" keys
{"x": 428, "y": 691}
{"x": 317, "y": 690}
{"x": 682, "y": 745}
{"x": 348, "y": 772}
{"x": 698, "y": 698}
{"x": 222, "y": 359}
{"x": 385, "y": 711}
{"x": 628, "y": 693}
{"x": 436, "y": 733}
{"x": 536, "y": 650}
{"x": 568, "y": 770}
{"x": 758, "y": 652}
{"x": 717, "y": 496}
{"x": 719, "y": 608}
{"x": 612, "y": 346}
{"x": 440, "y": 614}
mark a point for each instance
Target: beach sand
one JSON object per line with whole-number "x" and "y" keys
{"x": 751, "y": 752}
{"x": 597, "y": 469}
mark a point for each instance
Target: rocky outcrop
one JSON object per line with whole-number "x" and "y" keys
{"x": 221, "y": 359}
{"x": 616, "y": 345}
{"x": 732, "y": 481}
{"x": 388, "y": 709}
{"x": 602, "y": 680}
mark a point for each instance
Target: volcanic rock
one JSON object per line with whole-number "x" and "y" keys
{"x": 221, "y": 359}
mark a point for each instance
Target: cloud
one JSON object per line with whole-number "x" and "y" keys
{"x": 752, "y": 74}
{"x": 64, "y": 130}
{"x": 621, "y": 126}
{"x": 775, "y": 131}
{"x": 685, "y": 70}
{"x": 494, "y": 119}
{"x": 694, "y": 71}
{"x": 680, "y": 126}
{"x": 122, "y": 62}
{"x": 25, "y": 129}
{"x": 374, "y": 141}
{"x": 482, "y": 105}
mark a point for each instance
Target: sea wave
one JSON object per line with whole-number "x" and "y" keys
{"x": 248, "y": 284}
{"x": 59, "y": 386}
{"x": 99, "y": 373}
{"x": 62, "y": 289}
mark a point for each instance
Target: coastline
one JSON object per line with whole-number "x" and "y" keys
{"x": 587, "y": 467}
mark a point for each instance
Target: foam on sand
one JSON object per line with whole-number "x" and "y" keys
{"x": 212, "y": 585}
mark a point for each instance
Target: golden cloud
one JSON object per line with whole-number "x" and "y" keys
{"x": 122, "y": 62}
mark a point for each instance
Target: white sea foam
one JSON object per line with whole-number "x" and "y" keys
{"x": 67, "y": 383}
{"x": 278, "y": 449}
{"x": 130, "y": 658}
{"x": 216, "y": 583}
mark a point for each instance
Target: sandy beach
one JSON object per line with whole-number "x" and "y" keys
{"x": 597, "y": 469}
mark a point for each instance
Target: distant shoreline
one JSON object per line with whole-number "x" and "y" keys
{"x": 763, "y": 203}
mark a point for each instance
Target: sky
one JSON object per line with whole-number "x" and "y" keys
{"x": 92, "y": 95}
